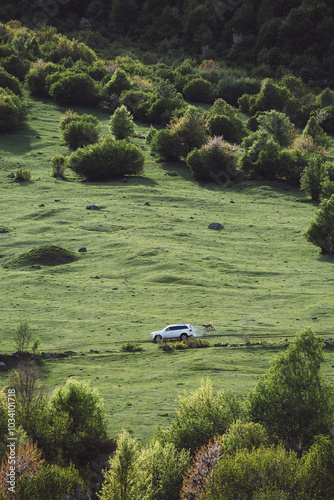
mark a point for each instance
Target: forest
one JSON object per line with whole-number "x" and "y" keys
{"x": 186, "y": 109}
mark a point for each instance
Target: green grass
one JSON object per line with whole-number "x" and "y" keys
{"x": 150, "y": 265}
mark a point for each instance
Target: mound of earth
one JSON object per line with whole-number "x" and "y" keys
{"x": 46, "y": 255}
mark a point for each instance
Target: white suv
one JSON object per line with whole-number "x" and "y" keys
{"x": 182, "y": 332}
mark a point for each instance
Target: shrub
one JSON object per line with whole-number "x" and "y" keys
{"x": 119, "y": 81}
{"x": 231, "y": 87}
{"x": 231, "y": 128}
{"x": 278, "y": 125}
{"x": 151, "y": 133}
{"x": 107, "y": 160}
{"x": 120, "y": 479}
{"x": 78, "y": 423}
{"x": 137, "y": 102}
{"x": 201, "y": 416}
{"x": 216, "y": 161}
{"x": 166, "y": 145}
{"x": 244, "y": 436}
{"x": 317, "y": 133}
{"x": 291, "y": 389}
{"x": 205, "y": 461}
{"x": 326, "y": 98}
{"x": 37, "y": 75}
{"x": 52, "y": 481}
{"x": 163, "y": 102}
{"x": 190, "y": 130}
{"x": 260, "y": 159}
{"x": 131, "y": 347}
{"x": 121, "y": 123}
{"x": 13, "y": 111}
{"x": 75, "y": 88}
{"x": 313, "y": 176}
{"x": 16, "y": 66}
{"x": 10, "y": 82}
{"x": 198, "y": 90}
{"x": 22, "y": 174}
{"x": 273, "y": 96}
{"x": 78, "y": 131}
{"x": 58, "y": 166}
{"x": 320, "y": 231}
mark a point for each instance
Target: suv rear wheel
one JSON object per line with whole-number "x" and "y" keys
{"x": 183, "y": 336}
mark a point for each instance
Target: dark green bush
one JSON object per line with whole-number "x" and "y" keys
{"x": 10, "y": 82}
{"x": 16, "y": 66}
{"x": 37, "y": 75}
{"x": 166, "y": 145}
{"x": 121, "y": 123}
{"x": 321, "y": 231}
{"x": 58, "y": 166}
{"x": 137, "y": 102}
{"x": 13, "y": 111}
{"x": 260, "y": 157}
{"x": 215, "y": 162}
{"x": 231, "y": 128}
{"x": 78, "y": 131}
{"x": 198, "y": 90}
{"x": 107, "y": 160}
{"x": 75, "y": 88}
{"x": 119, "y": 81}
{"x": 230, "y": 88}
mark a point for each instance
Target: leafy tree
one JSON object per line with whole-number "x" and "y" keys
{"x": 313, "y": 176}
{"x": 120, "y": 479}
{"x": 79, "y": 131}
{"x": 321, "y": 228}
{"x": 198, "y": 90}
{"x": 231, "y": 128}
{"x": 75, "y": 88}
{"x": 78, "y": 421}
{"x": 22, "y": 336}
{"x": 314, "y": 130}
{"x": 28, "y": 388}
{"x": 121, "y": 123}
{"x": 166, "y": 145}
{"x": 119, "y": 82}
{"x": 10, "y": 82}
{"x": 244, "y": 436}
{"x": 13, "y": 111}
{"x": 37, "y": 75}
{"x": 201, "y": 416}
{"x": 260, "y": 159}
{"x": 190, "y": 130}
{"x": 316, "y": 478}
{"x": 292, "y": 400}
{"x": 262, "y": 473}
{"x": 278, "y": 125}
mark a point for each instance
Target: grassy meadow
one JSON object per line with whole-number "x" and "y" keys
{"x": 151, "y": 260}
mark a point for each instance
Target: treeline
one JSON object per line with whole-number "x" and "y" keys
{"x": 276, "y": 37}
{"x": 275, "y": 443}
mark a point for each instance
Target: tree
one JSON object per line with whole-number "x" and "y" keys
{"x": 28, "y": 387}
{"x": 313, "y": 176}
{"x": 22, "y": 336}
{"x": 121, "y": 123}
{"x": 321, "y": 229}
{"x": 292, "y": 400}
{"x": 201, "y": 416}
{"x": 278, "y": 125}
{"x": 119, "y": 480}
{"x": 189, "y": 130}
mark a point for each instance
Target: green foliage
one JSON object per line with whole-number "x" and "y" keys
{"x": 75, "y": 88}
{"x": 215, "y": 162}
{"x": 244, "y": 436}
{"x": 270, "y": 472}
{"x": 198, "y": 90}
{"x": 325, "y": 98}
{"x": 58, "y": 166}
{"x": 22, "y": 174}
{"x": 261, "y": 156}
{"x": 120, "y": 479}
{"x": 16, "y": 66}
{"x": 292, "y": 400}
{"x": 278, "y": 125}
{"x": 190, "y": 130}
{"x": 52, "y": 483}
{"x": 273, "y": 96}
{"x": 121, "y": 123}
{"x": 37, "y": 76}
{"x": 320, "y": 231}
{"x": 119, "y": 82}
{"x": 160, "y": 471}
{"x": 131, "y": 347}
{"x": 313, "y": 177}
{"x": 22, "y": 337}
{"x": 79, "y": 131}
{"x": 13, "y": 111}
{"x": 231, "y": 87}
{"x": 151, "y": 133}
{"x": 314, "y": 130}
{"x": 78, "y": 423}
{"x": 201, "y": 416}
{"x": 10, "y": 82}
{"x": 107, "y": 160}
{"x": 163, "y": 102}
{"x": 166, "y": 145}
{"x": 231, "y": 128}
{"x": 3, "y": 424}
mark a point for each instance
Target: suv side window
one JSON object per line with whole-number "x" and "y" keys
{"x": 177, "y": 328}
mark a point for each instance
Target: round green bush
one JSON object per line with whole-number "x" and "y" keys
{"x": 231, "y": 128}
{"x": 108, "y": 159}
{"x": 13, "y": 111}
{"x": 166, "y": 145}
{"x": 37, "y": 75}
{"x": 198, "y": 90}
{"x": 119, "y": 81}
{"x": 10, "y": 82}
{"x": 75, "y": 88}
{"x": 78, "y": 131}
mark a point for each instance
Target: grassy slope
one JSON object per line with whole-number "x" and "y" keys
{"x": 156, "y": 264}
